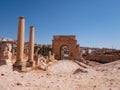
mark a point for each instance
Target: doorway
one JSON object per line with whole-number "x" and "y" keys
{"x": 64, "y": 52}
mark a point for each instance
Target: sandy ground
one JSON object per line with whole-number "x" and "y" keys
{"x": 63, "y": 75}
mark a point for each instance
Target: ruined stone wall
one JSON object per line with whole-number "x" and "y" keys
{"x": 103, "y": 58}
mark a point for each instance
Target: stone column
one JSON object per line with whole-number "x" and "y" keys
{"x": 20, "y": 44}
{"x": 49, "y": 55}
{"x": 30, "y": 61}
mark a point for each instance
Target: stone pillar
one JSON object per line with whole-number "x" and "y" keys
{"x": 20, "y": 45}
{"x": 49, "y": 55}
{"x": 30, "y": 61}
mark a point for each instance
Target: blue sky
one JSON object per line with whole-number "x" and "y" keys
{"x": 96, "y": 23}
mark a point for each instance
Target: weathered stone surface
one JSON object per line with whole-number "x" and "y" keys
{"x": 5, "y": 54}
{"x": 20, "y": 64}
{"x": 40, "y": 62}
{"x": 51, "y": 56}
{"x": 30, "y": 62}
{"x": 70, "y": 42}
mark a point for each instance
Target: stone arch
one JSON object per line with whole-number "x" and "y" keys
{"x": 70, "y": 41}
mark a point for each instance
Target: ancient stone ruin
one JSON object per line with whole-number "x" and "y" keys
{"x": 34, "y": 60}
{"x": 20, "y": 62}
{"x": 30, "y": 61}
{"x": 66, "y": 47}
{"x": 5, "y": 54}
{"x": 63, "y": 48}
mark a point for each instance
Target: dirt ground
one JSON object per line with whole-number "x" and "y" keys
{"x": 63, "y": 75}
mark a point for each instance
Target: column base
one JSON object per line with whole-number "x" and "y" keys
{"x": 19, "y": 66}
{"x": 30, "y": 63}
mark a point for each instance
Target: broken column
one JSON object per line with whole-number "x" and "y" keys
{"x": 30, "y": 61}
{"x": 19, "y": 64}
{"x": 49, "y": 55}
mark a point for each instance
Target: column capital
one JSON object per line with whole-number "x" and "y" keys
{"x": 31, "y": 26}
{"x": 21, "y": 17}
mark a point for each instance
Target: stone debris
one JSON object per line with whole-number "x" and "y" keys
{"x": 42, "y": 64}
{"x": 59, "y": 76}
{"x": 79, "y": 70}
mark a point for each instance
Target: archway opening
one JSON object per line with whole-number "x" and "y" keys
{"x": 64, "y": 52}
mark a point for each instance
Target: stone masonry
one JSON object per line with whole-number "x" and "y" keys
{"x": 69, "y": 41}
